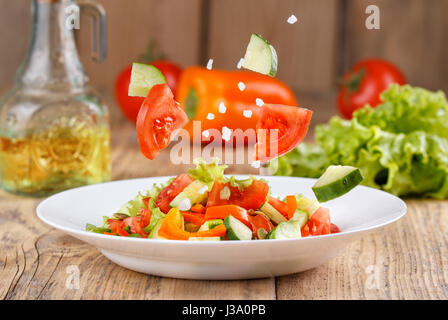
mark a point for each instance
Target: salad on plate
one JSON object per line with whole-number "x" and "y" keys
{"x": 203, "y": 204}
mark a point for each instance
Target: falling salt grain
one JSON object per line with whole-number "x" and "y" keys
{"x": 256, "y": 164}
{"x": 210, "y": 64}
{"x": 247, "y": 113}
{"x": 226, "y": 132}
{"x": 185, "y": 205}
{"x": 210, "y": 116}
{"x": 242, "y": 86}
{"x": 259, "y": 102}
{"x": 222, "y": 107}
{"x": 240, "y": 63}
{"x": 205, "y": 133}
{"x": 292, "y": 19}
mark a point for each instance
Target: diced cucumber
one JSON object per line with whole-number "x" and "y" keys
{"x": 210, "y": 224}
{"x": 301, "y": 217}
{"x": 286, "y": 230}
{"x": 260, "y": 56}
{"x": 236, "y": 230}
{"x": 192, "y": 193}
{"x": 307, "y": 204}
{"x": 143, "y": 78}
{"x": 204, "y": 238}
{"x": 272, "y": 213}
{"x": 336, "y": 181}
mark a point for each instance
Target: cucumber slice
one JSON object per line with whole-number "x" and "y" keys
{"x": 143, "y": 77}
{"x": 191, "y": 192}
{"x": 236, "y": 230}
{"x": 301, "y": 217}
{"x": 286, "y": 230}
{"x": 336, "y": 181}
{"x": 272, "y": 213}
{"x": 204, "y": 238}
{"x": 260, "y": 56}
{"x": 210, "y": 224}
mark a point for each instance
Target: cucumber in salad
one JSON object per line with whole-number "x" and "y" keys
{"x": 210, "y": 224}
{"x": 143, "y": 78}
{"x": 195, "y": 192}
{"x": 236, "y": 230}
{"x": 260, "y": 56}
{"x": 272, "y": 213}
{"x": 336, "y": 181}
{"x": 286, "y": 230}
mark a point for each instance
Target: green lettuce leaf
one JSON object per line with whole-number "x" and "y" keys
{"x": 401, "y": 146}
{"x": 207, "y": 173}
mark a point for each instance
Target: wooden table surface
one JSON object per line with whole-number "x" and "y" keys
{"x": 406, "y": 260}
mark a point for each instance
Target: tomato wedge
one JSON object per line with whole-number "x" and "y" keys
{"x": 221, "y": 212}
{"x": 319, "y": 222}
{"x": 136, "y": 225}
{"x": 251, "y": 197}
{"x": 292, "y": 125}
{"x": 171, "y": 191}
{"x": 158, "y": 117}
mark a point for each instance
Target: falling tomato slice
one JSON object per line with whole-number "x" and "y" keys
{"x": 280, "y": 129}
{"x": 158, "y": 117}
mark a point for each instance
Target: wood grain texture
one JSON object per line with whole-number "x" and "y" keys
{"x": 306, "y": 49}
{"x": 413, "y": 36}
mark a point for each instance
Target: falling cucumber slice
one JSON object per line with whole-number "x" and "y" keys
{"x": 143, "y": 78}
{"x": 336, "y": 181}
{"x": 260, "y": 56}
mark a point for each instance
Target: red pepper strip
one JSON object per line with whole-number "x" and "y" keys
{"x": 171, "y": 228}
{"x": 146, "y": 202}
{"x": 221, "y": 212}
{"x": 110, "y": 233}
{"x": 122, "y": 232}
{"x": 193, "y": 217}
{"x": 291, "y": 201}
{"x": 279, "y": 205}
{"x": 199, "y": 208}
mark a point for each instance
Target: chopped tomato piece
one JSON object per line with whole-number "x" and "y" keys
{"x": 136, "y": 225}
{"x": 171, "y": 191}
{"x": 334, "y": 228}
{"x": 319, "y": 222}
{"x": 158, "y": 117}
{"x": 259, "y": 221}
{"x": 280, "y": 129}
{"x": 221, "y": 212}
{"x": 251, "y": 197}
{"x": 146, "y": 202}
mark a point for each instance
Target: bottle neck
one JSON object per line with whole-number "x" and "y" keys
{"x": 52, "y": 61}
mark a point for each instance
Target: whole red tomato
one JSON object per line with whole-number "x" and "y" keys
{"x": 131, "y": 105}
{"x": 364, "y": 83}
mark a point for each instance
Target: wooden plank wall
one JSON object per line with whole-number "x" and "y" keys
{"x": 328, "y": 38}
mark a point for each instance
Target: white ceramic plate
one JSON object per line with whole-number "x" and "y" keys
{"x": 360, "y": 211}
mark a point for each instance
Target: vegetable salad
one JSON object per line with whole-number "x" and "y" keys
{"x": 203, "y": 204}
